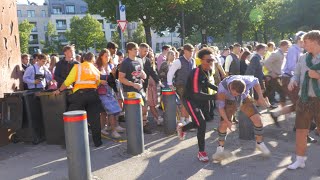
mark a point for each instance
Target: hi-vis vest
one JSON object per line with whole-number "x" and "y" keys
{"x": 87, "y": 76}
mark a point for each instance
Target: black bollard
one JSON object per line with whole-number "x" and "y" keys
{"x": 133, "y": 118}
{"x": 246, "y": 131}
{"x": 77, "y": 144}
{"x": 169, "y": 114}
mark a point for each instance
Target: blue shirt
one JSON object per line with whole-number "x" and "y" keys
{"x": 250, "y": 82}
{"x": 294, "y": 52}
{"x": 29, "y": 76}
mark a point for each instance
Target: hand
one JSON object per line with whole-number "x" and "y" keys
{"x": 314, "y": 74}
{"x": 56, "y": 92}
{"x": 137, "y": 86}
{"x": 103, "y": 82}
{"x": 160, "y": 84}
{"x": 37, "y": 81}
{"x": 172, "y": 87}
{"x": 292, "y": 85}
{"x": 229, "y": 124}
{"x": 113, "y": 72}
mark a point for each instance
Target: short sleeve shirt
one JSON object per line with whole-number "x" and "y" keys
{"x": 132, "y": 69}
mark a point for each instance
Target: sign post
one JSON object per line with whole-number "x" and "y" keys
{"x": 122, "y": 23}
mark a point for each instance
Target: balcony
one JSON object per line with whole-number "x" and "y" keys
{"x": 61, "y": 27}
{"x": 34, "y": 29}
{"x": 34, "y": 41}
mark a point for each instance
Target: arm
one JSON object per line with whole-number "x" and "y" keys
{"x": 124, "y": 80}
{"x": 197, "y": 93}
{"x": 221, "y": 71}
{"x": 163, "y": 71}
{"x": 297, "y": 71}
{"x": 221, "y": 99}
{"x": 48, "y": 75}
{"x": 172, "y": 70}
{"x": 28, "y": 76}
{"x": 227, "y": 64}
{"x": 251, "y": 69}
{"x": 291, "y": 60}
{"x": 152, "y": 72}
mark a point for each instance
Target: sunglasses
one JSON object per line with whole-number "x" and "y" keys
{"x": 209, "y": 60}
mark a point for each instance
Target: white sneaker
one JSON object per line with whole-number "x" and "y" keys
{"x": 181, "y": 134}
{"x": 108, "y": 128}
{"x": 219, "y": 155}
{"x": 104, "y": 131}
{"x": 299, "y": 163}
{"x": 263, "y": 148}
{"x": 160, "y": 121}
{"x": 115, "y": 134}
{"x": 120, "y": 129}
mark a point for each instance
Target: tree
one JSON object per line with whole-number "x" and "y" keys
{"x": 138, "y": 36}
{"x": 85, "y": 33}
{"x": 158, "y": 15}
{"x": 52, "y": 43}
{"x": 24, "y": 33}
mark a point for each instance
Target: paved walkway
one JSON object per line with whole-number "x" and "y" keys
{"x": 168, "y": 158}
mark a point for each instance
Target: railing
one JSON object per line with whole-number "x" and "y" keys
{"x": 61, "y": 27}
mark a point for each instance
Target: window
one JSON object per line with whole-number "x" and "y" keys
{"x": 101, "y": 21}
{"x": 34, "y": 29}
{"x": 30, "y": 13}
{"x": 62, "y": 37}
{"x": 19, "y": 13}
{"x": 33, "y": 39}
{"x": 70, "y": 9}
{"x": 45, "y": 28}
{"x": 33, "y": 50}
{"x": 61, "y": 24}
{"x": 56, "y": 10}
{"x": 43, "y": 13}
{"x": 83, "y": 9}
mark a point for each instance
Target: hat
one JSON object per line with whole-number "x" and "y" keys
{"x": 298, "y": 35}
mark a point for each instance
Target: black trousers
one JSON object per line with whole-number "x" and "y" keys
{"x": 198, "y": 121}
{"x": 88, "y": 100}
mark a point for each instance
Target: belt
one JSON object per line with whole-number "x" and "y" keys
{"x": 86, "y": 90}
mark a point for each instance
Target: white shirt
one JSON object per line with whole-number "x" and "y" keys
{"x": 176, "y": 65}
{"x": 228, "y": 63}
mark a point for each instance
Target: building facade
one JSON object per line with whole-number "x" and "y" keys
{"x": 60, "y": 13}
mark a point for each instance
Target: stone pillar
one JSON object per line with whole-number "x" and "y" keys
{"x": 10, "y": 60}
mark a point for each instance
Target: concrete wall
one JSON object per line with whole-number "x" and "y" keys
{"x": 9, "y": 47}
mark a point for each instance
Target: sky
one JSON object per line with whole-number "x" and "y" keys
{"x": 39, "y": 2}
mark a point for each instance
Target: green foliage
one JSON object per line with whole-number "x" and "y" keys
{"x": 24, "y": 33}
{"x": 138, "y": 36}
{"x": 117, "y": 39}
{"x": 85, "y": 33}
{"x": 51, "y": 43}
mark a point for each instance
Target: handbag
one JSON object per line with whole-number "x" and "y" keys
{"x": 102, "y": 90}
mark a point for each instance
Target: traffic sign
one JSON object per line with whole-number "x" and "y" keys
{"x": 210, "y": 39}
{"x": 122, "y": 24}
{"x": 122, "y": 10}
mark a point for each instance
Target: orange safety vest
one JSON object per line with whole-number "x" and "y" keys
{"x": 87, "y": 76}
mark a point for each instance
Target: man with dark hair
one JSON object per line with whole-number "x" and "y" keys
{"x": 255, "y": 67}
{"x": 196, "y": 96}
{"x": 232, "y": 63}
{"x": 25, "y": 61}
{"x": 64, "y": 66}
{"x": 113, "y": 48}
{"x": 181, "y": 68}
{"x": 162, "y": 57}
{"x": 150, "y": 71}
{"x": 34, "y": 58}
{"x": 131, "y": 74}
{"x": 37, "y": 76}
{"x": 233, "y": 91}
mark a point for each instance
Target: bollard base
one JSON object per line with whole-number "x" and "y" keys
{"x": 246, "y": 131}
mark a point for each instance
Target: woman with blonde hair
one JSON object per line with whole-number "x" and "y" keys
{"x": 164, "y": 68}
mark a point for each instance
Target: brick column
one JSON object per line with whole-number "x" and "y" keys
{"x": 10, "y": 60}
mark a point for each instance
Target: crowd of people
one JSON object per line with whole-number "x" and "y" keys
{"x": 204, "y": 78}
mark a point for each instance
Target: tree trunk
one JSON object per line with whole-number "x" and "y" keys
{"x": 147, "y": 30}
{"x": 183, "y": 31}
{"x": 239, "y": 35}
{"x": 265, "y": 37}
{"x": 256, "y": 36}
{"x": 204, "y": 36}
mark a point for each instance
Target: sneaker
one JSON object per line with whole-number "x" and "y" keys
{"x": 181, "y": 134}
{"x": 299, "y": 163}
{"x": 202, "y": 156}
{"x": 311, "y": 139}
{"x": 235, "y": 121}
{"x": 219, "y": 154}
{"x": 275, "y": 119}
{"x": 115, "y": 135}
{"x": 263, "y": 148}
{"x": 147, "y": 130}
{"x": 120, "y": 129}
{"x": 160, "y": 121}
{"x": 104, "y": 132}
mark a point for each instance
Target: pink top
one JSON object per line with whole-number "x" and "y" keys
{"x": 161, "y": 58}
